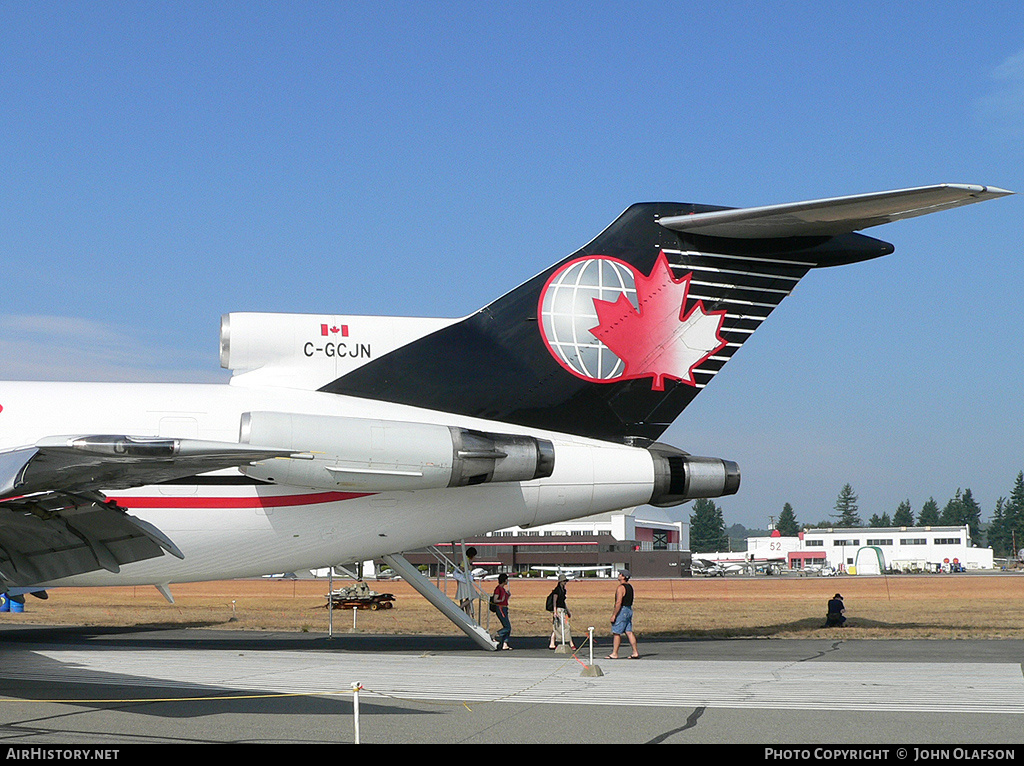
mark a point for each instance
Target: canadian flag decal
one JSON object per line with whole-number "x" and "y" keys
{"x": 603, "y": 321}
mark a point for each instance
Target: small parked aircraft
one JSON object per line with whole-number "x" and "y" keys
{"x": 572, "y": 572}
{"x": 710, "y": 568}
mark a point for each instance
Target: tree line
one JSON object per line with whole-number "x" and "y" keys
{"x": 1004, "y": 532}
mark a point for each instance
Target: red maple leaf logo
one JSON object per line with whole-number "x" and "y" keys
{"x": 660, "y": 340}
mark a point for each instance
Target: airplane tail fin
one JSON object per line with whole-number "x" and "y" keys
{"x": 614, "y": 341}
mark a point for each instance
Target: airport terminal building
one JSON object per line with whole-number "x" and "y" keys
{"x": 872, "y": 550}
{"x": 621, "y": 540}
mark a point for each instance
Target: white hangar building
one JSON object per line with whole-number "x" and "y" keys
{"x": 872, "y": 550}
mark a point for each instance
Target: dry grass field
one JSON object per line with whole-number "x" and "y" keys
{"x": 902, "y": 606}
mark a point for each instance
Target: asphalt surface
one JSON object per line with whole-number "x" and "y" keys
{"x": 109, "y": 687}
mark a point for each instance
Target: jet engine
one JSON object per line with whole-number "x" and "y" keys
{"x": 365, "y": 455}
{"x": 679, "y": 476}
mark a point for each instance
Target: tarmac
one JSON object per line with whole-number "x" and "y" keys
{"x": 105, "y": 687}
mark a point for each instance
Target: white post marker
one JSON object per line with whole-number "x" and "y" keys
{"x": 591, "y": 670}
{"x": 356, "y": 686}
{"x": 562, "y": 648}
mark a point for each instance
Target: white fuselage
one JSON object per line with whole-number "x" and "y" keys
{"x": 229, "y": 528}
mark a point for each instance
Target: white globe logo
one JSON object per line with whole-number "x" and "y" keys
{"x": 567, "y": 314}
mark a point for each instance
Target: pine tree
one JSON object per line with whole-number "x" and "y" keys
{"x": 998, "y": 532}
{"x": 846, "y": 508}
{"x": 880, "y": 521}
{"x": 929, "y": 515}
{"x": 787, "y": 523}
{"x": 971, "y": 516}
{"x": 953, "y": 510}
{"x": 904, "y": 516}
{"x": 963, "y": 510}
{"x": 707, "y": 527}
{"x": 1013, "y": 512}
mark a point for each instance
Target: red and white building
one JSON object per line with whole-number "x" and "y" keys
{"x": 871, "y": 550}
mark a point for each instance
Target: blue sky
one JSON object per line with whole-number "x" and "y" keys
{"x": 165, "y": 163}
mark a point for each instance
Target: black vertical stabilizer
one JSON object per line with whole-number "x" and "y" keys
{"x": 518, "y": 361}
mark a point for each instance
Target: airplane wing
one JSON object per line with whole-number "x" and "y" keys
{"x": 830, "y": 217}
{"x": 55, "y": 521}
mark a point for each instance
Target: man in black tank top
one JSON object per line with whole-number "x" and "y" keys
{"x": 622, "y": 617}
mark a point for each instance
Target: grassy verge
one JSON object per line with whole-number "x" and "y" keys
{"x": 931, "y": 606}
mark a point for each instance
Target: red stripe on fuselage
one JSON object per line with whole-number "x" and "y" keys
{"x": 257, "y": 501}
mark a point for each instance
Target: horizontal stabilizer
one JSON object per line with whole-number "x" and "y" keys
{"x": 830, "y": 217}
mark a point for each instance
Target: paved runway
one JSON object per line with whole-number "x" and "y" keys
{"x": 108, "y": 687}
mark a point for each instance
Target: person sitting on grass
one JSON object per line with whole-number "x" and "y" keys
{"x": 835, "y": 617}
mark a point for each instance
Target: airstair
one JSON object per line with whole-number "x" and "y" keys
{"x": 437, "y": 598}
